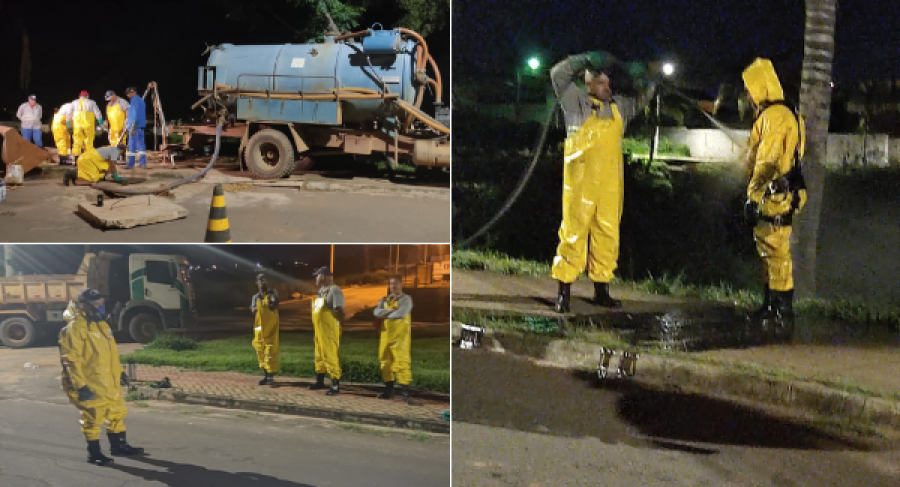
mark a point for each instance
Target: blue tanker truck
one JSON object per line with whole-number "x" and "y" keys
{"x": 357, "y": 93}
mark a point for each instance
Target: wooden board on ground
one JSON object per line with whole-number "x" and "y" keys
{"x": 131, "y": 212}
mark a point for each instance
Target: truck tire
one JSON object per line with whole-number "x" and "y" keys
{"x": 17, "y": 332}
{"x": 270, "y": 155}
{"x": 144, "y": 327}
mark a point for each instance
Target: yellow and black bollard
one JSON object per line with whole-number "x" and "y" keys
{"x": 217, "y": 230}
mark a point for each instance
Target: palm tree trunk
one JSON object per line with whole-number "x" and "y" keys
{"x": 815, "y": 104}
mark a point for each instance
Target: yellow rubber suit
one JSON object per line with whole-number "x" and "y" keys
{"x": 116, "y": 117}
{"x": 773, "y": 140}
{"x": 327, "y": 329}
{"x": 61, "y": 134}
{"x": 83, "y": 128}
{"x": 90, "y": 358}
{"x": 92, "y": 166}
{"x": 265, "y": 336}
{"x": 394, "y": 346}
{"x": 593, "y": 187}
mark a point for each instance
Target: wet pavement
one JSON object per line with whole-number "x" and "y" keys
{"x": 514, "y": 421}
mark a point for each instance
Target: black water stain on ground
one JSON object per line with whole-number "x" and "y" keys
{"x": 505, "y": 391}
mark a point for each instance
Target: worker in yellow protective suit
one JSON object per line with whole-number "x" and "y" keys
{"x": 327, "y": 314}
{"x": 61, "y": 134}
{"x": 265, "y": 329}
{"x": 85, "y": 116}
{"x": 593, "y": 174}
{"x": 92, "y": 376}
{"x": 394, "y": 310}
{"x": 116, "y": 111}
{"x": 93, "y": 166}
{"x": 776, "y": 192}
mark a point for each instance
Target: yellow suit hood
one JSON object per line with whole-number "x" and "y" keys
{"x": 762, "y": 82}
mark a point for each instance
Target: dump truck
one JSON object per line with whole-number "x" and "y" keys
{"x": 145, "y": 294}
{"x": 358, "y": 93}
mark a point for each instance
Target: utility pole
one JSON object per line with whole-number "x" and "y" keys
{"x": 7, "y": 261}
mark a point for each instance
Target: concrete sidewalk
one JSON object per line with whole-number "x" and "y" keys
{"x": 356, "y": 403}
{"x": 827, "y": 374}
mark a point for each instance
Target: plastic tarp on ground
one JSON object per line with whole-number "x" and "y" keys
{"x": 17, "y": 150}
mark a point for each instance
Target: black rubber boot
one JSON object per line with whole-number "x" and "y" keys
{"x": 602, "y": 297}
{"x": 388, "y": 391}
{"x": 70, "y": 176}
{"x": 335, "y": 387}
{"x": 783, "y": 314}
{"x": 404, "y": 393}
{"x": 757, "y": 315}
{"x": 320, "y": 383}
{"x": 95, "y": 456}
{"x": 564, "y": 297}
{"x": 267, "y": 380}
{"x": 118, "y": 447}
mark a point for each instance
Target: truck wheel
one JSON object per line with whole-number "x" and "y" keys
{"x": 144, "y": 327}
{"x": 17, "y": 332}
{"x": 269, "y": 155}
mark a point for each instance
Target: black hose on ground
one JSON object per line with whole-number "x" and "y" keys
{"x": 126, "y": 191}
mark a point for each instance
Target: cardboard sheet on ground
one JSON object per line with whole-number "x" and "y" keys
{"x": 17, "y": 150}
{"x": 131, "y": 212}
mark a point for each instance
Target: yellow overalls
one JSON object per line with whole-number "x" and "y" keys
{"x": 327, "y": 330}
{"x": 61, "y": 134}
{"x": 265, "y": 335}
{"x": 593, "y": 187}
{"x": 116, "y": 117}
{"x": 83, "y": 127}
{"x": 394, "y": 346}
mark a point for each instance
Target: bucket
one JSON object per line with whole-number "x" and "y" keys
{"x": 15, "y": 175}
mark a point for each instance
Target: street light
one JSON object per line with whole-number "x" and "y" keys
{"x": 668, "y": 69}
{"x": 534, "y": 63}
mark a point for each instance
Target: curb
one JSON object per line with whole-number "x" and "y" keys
{"x": 442, "y": 427}
{"x": 668, "y": 373}
{"x": 413, "y": 192}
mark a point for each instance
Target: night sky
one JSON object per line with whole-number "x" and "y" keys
{"x": 710, "y": 40}
{"x": 348, "y": 259}
{"x": 101, "y": 44}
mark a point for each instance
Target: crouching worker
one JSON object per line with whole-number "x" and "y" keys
{"x": 93, "y": 166}
{"x": 92, "y": 376}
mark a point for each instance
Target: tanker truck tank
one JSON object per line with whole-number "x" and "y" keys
{"x": 357, "y": 97}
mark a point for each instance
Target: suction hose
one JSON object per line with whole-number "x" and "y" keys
{"x": 126, "y": 191}
{"x": 523, "y": 181}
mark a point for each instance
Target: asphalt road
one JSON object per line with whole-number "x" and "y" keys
{"x": 44, "y": 211}
{"x": 519, "y": 424}
{"x": 41, "y": 443}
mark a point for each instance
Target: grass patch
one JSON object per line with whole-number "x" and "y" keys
{"x": 359, "y": 358}
{"x": 420, "y": 436}
{"x": 498, "y": 262}
{"x": 135, "y": 396}
{"x": 142, "y": 404}
{"x": 168, "y": 341}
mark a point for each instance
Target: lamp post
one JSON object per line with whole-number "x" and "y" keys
{"x": 533, "y": 63}
{"x": 668, "y": 69}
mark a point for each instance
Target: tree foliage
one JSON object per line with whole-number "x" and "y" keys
{"x": 307, "y": 20}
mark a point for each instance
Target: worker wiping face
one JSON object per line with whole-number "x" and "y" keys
{"x": 598, "y": 85}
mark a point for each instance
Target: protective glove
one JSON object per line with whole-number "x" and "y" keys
{"x": 637, "y": 71}
{"x": 751, "y": 213}
{"x": 599, "y": 59}
{"x": 86, "y": 394}
{"x": 124, "y": 380}
{"x": 69, "y": 125}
